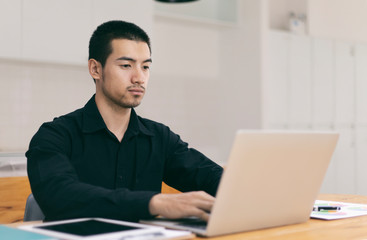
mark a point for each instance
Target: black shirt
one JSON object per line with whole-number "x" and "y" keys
{"x": 78, "y": 168}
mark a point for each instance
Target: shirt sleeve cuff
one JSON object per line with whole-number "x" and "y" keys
{"x": 139, "y": 204}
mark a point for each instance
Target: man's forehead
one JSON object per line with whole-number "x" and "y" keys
{"x": 137, "y": 50}
{"x": 126, "y": 43}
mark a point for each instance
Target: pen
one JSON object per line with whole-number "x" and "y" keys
{"x": 325, "y": 208}
{"x": 152, "y": 235}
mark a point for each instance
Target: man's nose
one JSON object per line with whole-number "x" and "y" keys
{"x": 138, "y": 76}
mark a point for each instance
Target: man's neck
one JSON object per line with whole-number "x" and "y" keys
{"x": 116, "y": 118}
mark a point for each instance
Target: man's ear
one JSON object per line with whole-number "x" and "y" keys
{"x": 95, "y": 69}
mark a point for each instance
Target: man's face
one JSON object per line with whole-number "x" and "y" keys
{"x": 126, "y": 73}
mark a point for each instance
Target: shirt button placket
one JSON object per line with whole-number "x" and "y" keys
{"x": 120, "y": 170}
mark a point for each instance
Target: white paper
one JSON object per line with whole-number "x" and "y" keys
{"x": 347, "y": 210}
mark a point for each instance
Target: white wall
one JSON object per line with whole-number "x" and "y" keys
{"x": 33, "y": 93}
{"x": 43, "y": 59}
{"x": 279, "y": 11}
{"x": 241, "y": 71}
{"x": 206, "y": 77}
{"x": 205, "y": 81}
{"x": 332, "y": 19}
{"x": 183, "y": 87}
{"x": 338, "y": 19}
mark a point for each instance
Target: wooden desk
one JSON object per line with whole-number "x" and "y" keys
{"x": 13, "y": 195}
{"x": 344, "y": 229}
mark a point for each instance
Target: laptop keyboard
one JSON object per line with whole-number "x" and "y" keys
{"x": 198, "y": 224}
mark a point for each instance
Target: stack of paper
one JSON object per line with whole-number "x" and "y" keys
{"x": 345, "y": 210}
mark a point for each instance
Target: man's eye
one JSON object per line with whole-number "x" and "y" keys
{"x": 125, "y": 65}
{"x": 146, "y": 67}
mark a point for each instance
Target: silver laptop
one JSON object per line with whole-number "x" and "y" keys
{"x": 272, "y": 178}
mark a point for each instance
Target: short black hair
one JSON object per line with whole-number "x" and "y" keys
{"x": 100, "y": 43}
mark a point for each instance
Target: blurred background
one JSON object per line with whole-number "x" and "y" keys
{"x": 218, "y": 66}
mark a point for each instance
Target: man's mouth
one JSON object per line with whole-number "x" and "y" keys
{"x": 136, "y": 90}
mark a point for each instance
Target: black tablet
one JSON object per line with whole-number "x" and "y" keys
{"x": 94, "y": 228}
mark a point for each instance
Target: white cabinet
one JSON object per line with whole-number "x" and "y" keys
{"x": 11, "y": 28}
{"x": 323, "y": 99}
{"x": 323, "y": 108}
{"x": 342, "y": 174}
{"x": 287, "y": 89}
{"x": 361, "y": 160}
{"x": 361, "y": 117}
{"x": 299, "y": 82}
{"x": 344, "y": 84}
{"x": 345, "y": 162}
{"x": 59, "y": 31}
{"x": 321, "y": 84}
{"x": 275, "y": 91}
{"x": 56, "y": 31}
{"x": 361, "y": 84}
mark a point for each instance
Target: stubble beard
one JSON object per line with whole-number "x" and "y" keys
{"x": 123, "y": 101}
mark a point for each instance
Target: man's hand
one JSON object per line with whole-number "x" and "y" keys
{"x": 197, "y": 204}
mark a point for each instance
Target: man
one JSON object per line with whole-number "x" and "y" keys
{"x": 105, "y": 161}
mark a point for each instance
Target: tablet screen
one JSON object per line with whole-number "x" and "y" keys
{"x": 88, "y": 227}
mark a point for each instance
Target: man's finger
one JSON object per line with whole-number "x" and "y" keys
{"x": 203, "y": 201}
{"x": 196, "y": 212}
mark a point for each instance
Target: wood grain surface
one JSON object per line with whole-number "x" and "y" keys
{"x": 345, "y": 229}
{"x": 13, "y": 195}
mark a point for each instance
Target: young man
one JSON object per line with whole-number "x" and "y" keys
{"x": 105, "y": 161}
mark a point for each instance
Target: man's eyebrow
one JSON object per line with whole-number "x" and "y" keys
{"x": 132, "y": 59}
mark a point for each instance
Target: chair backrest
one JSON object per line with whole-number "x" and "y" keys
{"x": 32, "y": 211}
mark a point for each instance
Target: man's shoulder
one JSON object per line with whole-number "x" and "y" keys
{"x": 64, "y": 122}
{"x": 58, "y": 132}
{"x": 69, "y": 117}
{"x": 159, "y": 131}
{"x": 152, "y": 125}
{"x": 155, "y": 127}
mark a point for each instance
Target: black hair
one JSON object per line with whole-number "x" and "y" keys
{"x": 100, "y": 43}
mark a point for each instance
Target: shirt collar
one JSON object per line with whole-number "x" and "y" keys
{"x": 93, "y": 121}
{"x": 136, "y": 126}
